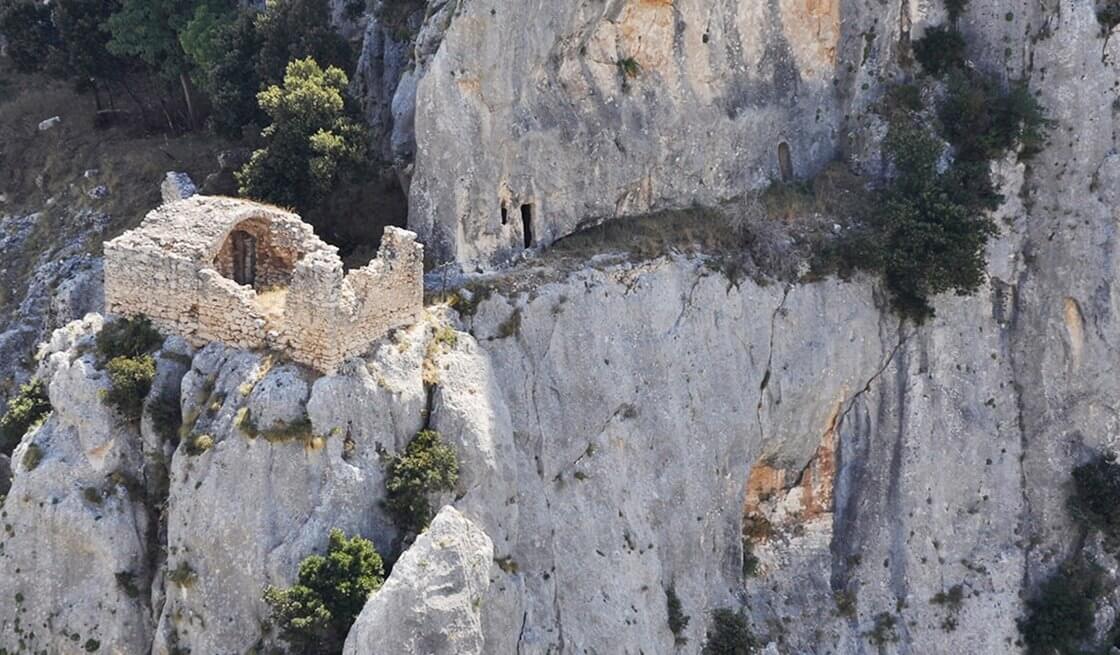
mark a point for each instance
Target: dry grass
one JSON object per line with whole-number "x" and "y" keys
{"x": 272, "y": 302}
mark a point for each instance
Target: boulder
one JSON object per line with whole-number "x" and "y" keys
{"x": 432, "y": 603}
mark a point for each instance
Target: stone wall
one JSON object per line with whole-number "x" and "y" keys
{"x": 177, "y": 267}
{"x": 360, "y": 307}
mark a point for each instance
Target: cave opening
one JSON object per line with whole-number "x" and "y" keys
{"x": 505, "y": 213}
{"x": 785, "y": 162}
{"x": 527, "y": 224}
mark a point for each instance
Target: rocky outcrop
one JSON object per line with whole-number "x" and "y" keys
{"x": 432, "y": 603}
{"x": 73, "y": 554}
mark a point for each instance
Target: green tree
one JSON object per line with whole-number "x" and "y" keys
{"x": 316, "y": 613}
{"x": 149, "y": 30}
{"x": 1060, "y": 618}
{"x": 298, "y": 29}
{"x": 310, "y": 141}
{"x": 229, "y": 74}
{"x": 82, "y": 51}
{"x": 30, "y": 32}
{"x": 426, "y": 466}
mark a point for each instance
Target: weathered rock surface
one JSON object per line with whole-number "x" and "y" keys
{"x": 432, "y": 603}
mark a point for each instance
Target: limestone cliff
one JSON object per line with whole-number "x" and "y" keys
{"x": 629, "y": 428}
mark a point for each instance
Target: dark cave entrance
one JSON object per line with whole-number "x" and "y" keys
{"x": 785, "y": 161}
{"x": 527, "y": 224}
{"x": 505, "y": 213}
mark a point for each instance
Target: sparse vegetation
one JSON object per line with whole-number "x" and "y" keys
{"x": 427, "y": 465}
{"x": 729, "y": 634}
{"x": 678, "y": 620}
{"x": 1108, "y": 15}
{"x": 166, "y": 413}
{"x": 315, "y": 614}
{"x": 629, "y": 67}
{"x": 883, "y": 631}
{"x": 200, "y": 444}
{"x": 182, "y": 575}
{"x": 27, "y": 409}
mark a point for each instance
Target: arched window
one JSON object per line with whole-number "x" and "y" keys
{"x": 785, "y": 162}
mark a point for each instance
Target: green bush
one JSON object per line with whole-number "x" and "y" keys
{"x": 32, "y": 456}
{"x": 955, "y": 8}
{"x": 129, "y": 337}
{"x": 166, "y": 413}
{"x": 131, "y": 378}
{"x": 1095, "y": 501}
{"x": 310, "y": 142}
{"x": 1060, "y": 618}
{"x": 1108, "y": 15}
{"x": 678, "y": 620}
{"x": 426, "y": 466}
{"x": 940, "y": 50}
{"x": 26, "y": 409}
{"x": 729, "y": 634}
{"x": 315, "y": 614}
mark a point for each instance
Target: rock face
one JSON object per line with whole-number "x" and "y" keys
{"x": 432, "y": 603}
{"x": 530, "y": 122}
{"x": 631, "y": 429}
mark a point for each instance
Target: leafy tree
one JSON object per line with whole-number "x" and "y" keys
{"x": 82, "y": 51}
{"x": 310, "y": 141}
{"x": 30, "y": 32}
{"x": 729, "y": 634}
{"x": 201, "y": 36}
{"x": 27, "y": 408}
{"x": 298, "y": 29}
{"x": 230, "y": 74}
{"x": 427, "y": 465}
{"x": 316, "y": 613}
{"x": 149, "y": 30}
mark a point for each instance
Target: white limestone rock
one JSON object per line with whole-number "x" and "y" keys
{"x": 177, "y": 186}
{"x": 432, "y": 602}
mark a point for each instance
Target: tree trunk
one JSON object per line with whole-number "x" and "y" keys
{"x": 185, "y": 81}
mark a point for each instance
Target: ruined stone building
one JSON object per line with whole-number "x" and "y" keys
{"x": 255, "y": 276}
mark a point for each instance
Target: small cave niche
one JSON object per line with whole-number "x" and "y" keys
{"x": 527, "y": 224}
{"x": 505, "y": 213}
{"x": 785, "y": 162}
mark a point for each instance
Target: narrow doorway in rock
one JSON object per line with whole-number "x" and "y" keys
{"x": 785, "y": 161}
{"x": 527, "y": 224}
{"x": 505, "y": 213}
{"x": 244, "y": 258}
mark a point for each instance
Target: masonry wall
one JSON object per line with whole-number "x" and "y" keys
{"x": 324, "y": 317}
{"x": 362, "y": 306}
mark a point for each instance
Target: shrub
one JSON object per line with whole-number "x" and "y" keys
{"x": 32, "y": 456}
{"x": 1095, "y": 501}
{"x": 200, "y": 444}
{"x": 1108, "y": 15}
{"x": 182, "y": 575}
{"x": 426, "y": 466}
{"x": 883, "y": 631}
{"x": 678, "y": 620}
{"x": 729, "y": 634}
{"x": 940, "y": 50}
{"x": 26, "y": 409}
{"x": 131, "y": 378}
{"x": 310, "y": 141}
{"x": 315, "y": 614}
{"x": 129, "y": 337}
{"x": 166, "y": 413}
{"x": 955, "y": 8}
{"x": 1060, "y": 618}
